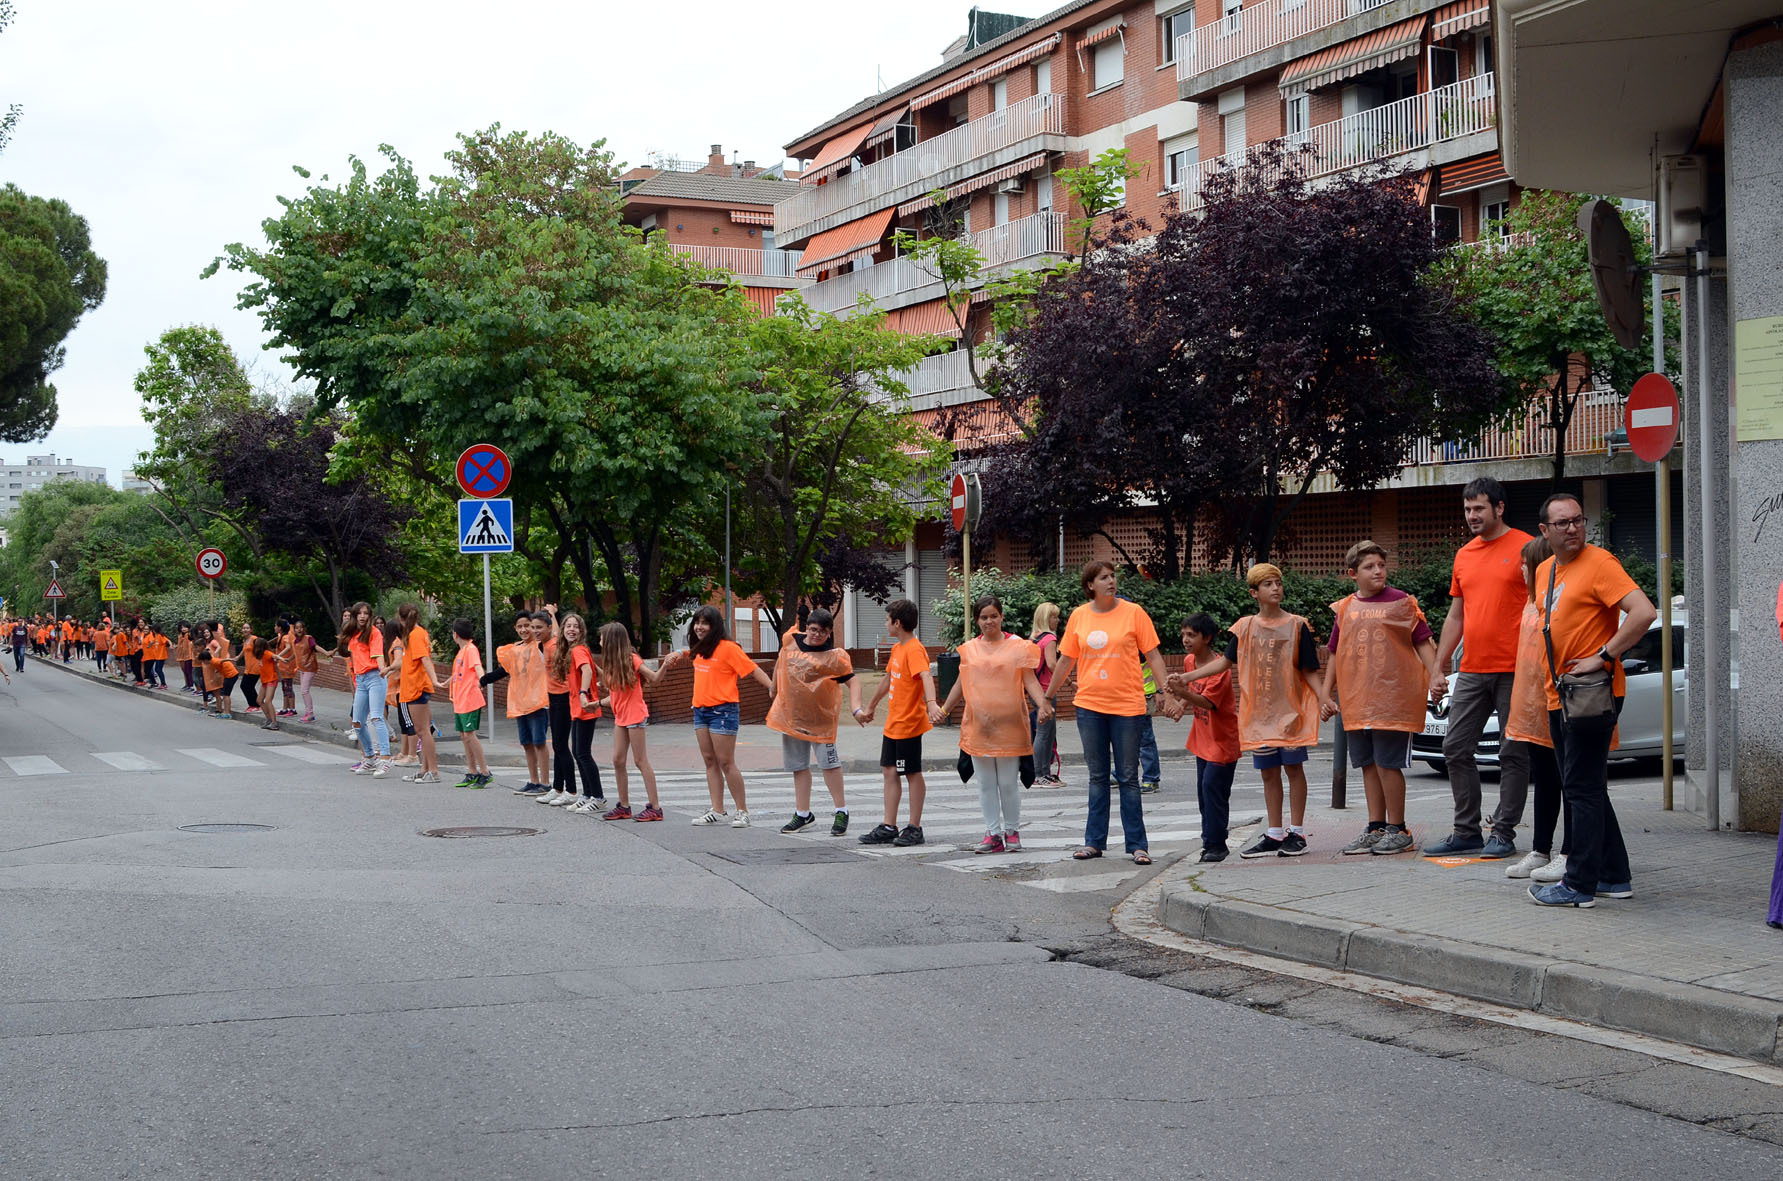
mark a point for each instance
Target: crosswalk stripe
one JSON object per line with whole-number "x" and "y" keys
{"x": 35, "y": 765}
{"x": 310, "y": 754}
{"x": 127, "y": 760}
{"x": 219, "y": 758}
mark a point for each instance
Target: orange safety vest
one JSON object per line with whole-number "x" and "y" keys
{"x": 1381, "y": 684}
{"x": 1276, "y": 707}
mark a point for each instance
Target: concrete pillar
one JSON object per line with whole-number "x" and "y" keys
{"x": 911, "y": 586}
{"x": 1755, "y": 249}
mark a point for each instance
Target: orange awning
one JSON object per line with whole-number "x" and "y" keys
{"x": 923, "y": 319}
{"x": 1459, "y": 17}
{"x": 836, "y": 153}
{"x": 1101, "y": 35}
{"x": 984, "y": 73}
{"x": 1477, "y": 173}
{"x": 1019, "y": 168}
{"x": 765, "y": 299}
{"x": 749, "y": 217}
{"x": 853, "y": 237}
{"x": 1356, "y": 56}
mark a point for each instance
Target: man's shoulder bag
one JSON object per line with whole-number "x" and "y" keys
{"x": 1584, "y": 697}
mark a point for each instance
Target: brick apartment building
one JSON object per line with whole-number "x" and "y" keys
{"x": 1185, "y": 86}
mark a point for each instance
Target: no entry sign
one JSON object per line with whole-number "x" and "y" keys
{"x": 966, "y": 500}
{"x": 484, "y": 471}
{"x": 1652, "y": 417}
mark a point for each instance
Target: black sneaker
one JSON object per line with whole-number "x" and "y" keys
{"x": 840, "y": 825}
{"x": 797, "y": 822}
{"x": 1262, "y": 845}
{"x": 883, "y": 834}
{"x": 1208, "y": 855}
{"x": 911, "y": 835}
{"x": 1293, "y": 845}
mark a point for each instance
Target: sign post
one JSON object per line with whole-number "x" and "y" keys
{"x": 1652, "y": 425}
{"x": 211, "y": 563}
{"x": 968, "y": 504}
{"x": 483, "y": 473}
{"x": 55, "y": 596}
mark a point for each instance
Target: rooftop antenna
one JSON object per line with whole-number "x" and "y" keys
{"x": 879, "y": 79}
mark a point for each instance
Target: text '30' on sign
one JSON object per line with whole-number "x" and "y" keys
{"x": 486, "y": 526}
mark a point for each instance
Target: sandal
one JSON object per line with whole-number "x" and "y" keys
{"x": 1141, "y": 857}
{"x": 1086, "y": 853}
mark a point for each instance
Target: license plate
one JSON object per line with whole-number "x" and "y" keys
{"x": 1436, "y": 726}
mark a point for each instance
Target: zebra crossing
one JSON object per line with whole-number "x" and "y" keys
{"x": 953, "y": 822}
{"x": 190, "y": 758}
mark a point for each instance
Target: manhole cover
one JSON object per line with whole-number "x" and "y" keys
{"x": 811, "y": 855}
{"x": 481, "y": 831}
{"x": 226, "y": 828}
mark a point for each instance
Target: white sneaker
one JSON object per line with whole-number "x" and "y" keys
{"x": 362, "y": 767}
{"x": 741, "y": 820}
{"x": 582, "y": 807}
{"x": 411, "y": 777}
{"x": 1531, "y": 862}
{"x": 711, "y": 817}
{"x": 381, "y": 770}
{"x": 428, "y": 777}
{"x": 1553, "y": 871}
{"x": 554, "y": 799}
{"x": 565, "y": 800}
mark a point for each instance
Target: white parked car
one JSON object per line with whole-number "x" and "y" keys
{"x": 1639, "y": 729}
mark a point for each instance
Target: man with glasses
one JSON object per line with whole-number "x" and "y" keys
{"x": 1486, "y": 597}
{"x": 1582, "y": 590}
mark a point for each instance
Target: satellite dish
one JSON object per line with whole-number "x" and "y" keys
{"x": 1614, "y": 272}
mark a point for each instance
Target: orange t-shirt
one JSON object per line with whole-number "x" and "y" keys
{"x": 227, "y": 668}
{"x": 249, "y": 661}
{"x": 553, "y": 684}
{"x": 415, "y": 680}
{"x": 581, "y": 658}
{"x": 213, "y": 676}
{"x": 1582, "y": 614}
{"x": 1214, "y": 734}
{"x": 526, "y": 677}
{"x": 122, "y": 644}
{"x": 361, "y": 652}
{"x": 715, "y": 677}
{"x": 907, "y": 715}
{"x": 102, "y": 640}
{"x": 1488, "y": 579}
{"x": 269, "y": 671}
{"x": 1107, "y": 646}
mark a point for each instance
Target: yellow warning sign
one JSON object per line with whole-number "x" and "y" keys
{"x": 111, "y": 585}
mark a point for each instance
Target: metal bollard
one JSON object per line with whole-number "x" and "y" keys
{"x": 1340, "y": 765}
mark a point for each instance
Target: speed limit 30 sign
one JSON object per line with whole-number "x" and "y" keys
{"x": 211, "y": 562}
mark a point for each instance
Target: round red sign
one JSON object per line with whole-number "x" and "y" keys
{"x": 484, "y": 471}
{"x": 959, "y": 502}
{"x": 211, "y": 562}
{"x": 1652, "y": 417}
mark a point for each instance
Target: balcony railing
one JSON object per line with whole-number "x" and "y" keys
{"x": 1448, "y": 112}
{"x": 740, "y": 260}
{"x": 1012, "y": 242}
{"x": 1042, "y": 114}
{"x": 1257, "y": 27}
{"x": 1529, "y": 439}
{"x": 933, "y": 377}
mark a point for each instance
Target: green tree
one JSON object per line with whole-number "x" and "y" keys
{"x": 1532, "y": 291}
{"x": 49, "y": 278}
{"x": 841, "y": 458}
{"x": 509, "y": 304}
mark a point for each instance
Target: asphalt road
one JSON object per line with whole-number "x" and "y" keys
{"x": 338, "y": 995}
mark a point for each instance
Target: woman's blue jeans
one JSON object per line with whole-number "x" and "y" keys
{"x": 1111, "y": 743}
{"x": 369, "y": 689}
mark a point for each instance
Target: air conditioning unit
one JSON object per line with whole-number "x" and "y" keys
{"x": 1683, "y": 191}
{"x": 1015, "y": 184}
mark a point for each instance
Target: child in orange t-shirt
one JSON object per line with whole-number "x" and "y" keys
{"x": 1213, "y": 735}
{"x": 466, "y": 688}
{"x": 269, "y": 680}
{"x": 719, "y": 664}
{"x": 623, "y": 674}
{"x": 912, "y": 689}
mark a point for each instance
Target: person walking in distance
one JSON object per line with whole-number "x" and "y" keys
{"x": 1486, "y": 598}
{"x": 912, "y": 689}
{"x": 808, "y": 677}
{"x": 1583, "y": 591}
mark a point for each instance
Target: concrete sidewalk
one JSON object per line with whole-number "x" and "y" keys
{"x": 1688, "y": 958}
{"x": 672, "y": 747}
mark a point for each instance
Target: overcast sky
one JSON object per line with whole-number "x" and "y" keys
{"x": 172, "y": 127}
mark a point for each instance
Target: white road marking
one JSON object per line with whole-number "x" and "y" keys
{"x": 35, "y": 765}
{"x": 127, "y": 760}
{"x": 1080, "y": 884}
{"x": 219, "y": 758}
{"x": 310, "y": 754}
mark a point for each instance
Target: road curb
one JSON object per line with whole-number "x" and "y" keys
{"x": 1726, "y": 1022}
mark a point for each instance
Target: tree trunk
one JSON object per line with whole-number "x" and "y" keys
{"x": 614, "y": 557}
{"x": 1560, "y": 417}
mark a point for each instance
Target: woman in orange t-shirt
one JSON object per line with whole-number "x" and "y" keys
{"x": 307, "y": 665}
{"x": 415, "y": 688}
{"x": 718, "y": 664}
{"x": 184, "y": 653}
{"x": 365, "y": 656}
{"x": 269, "y": 678}
{"x": 1105, "y": 640}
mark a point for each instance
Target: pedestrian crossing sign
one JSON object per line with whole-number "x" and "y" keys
{"x": 486, "y": 526}
{"x": 54, "y": 592}
{"x": 111, "y": 585}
